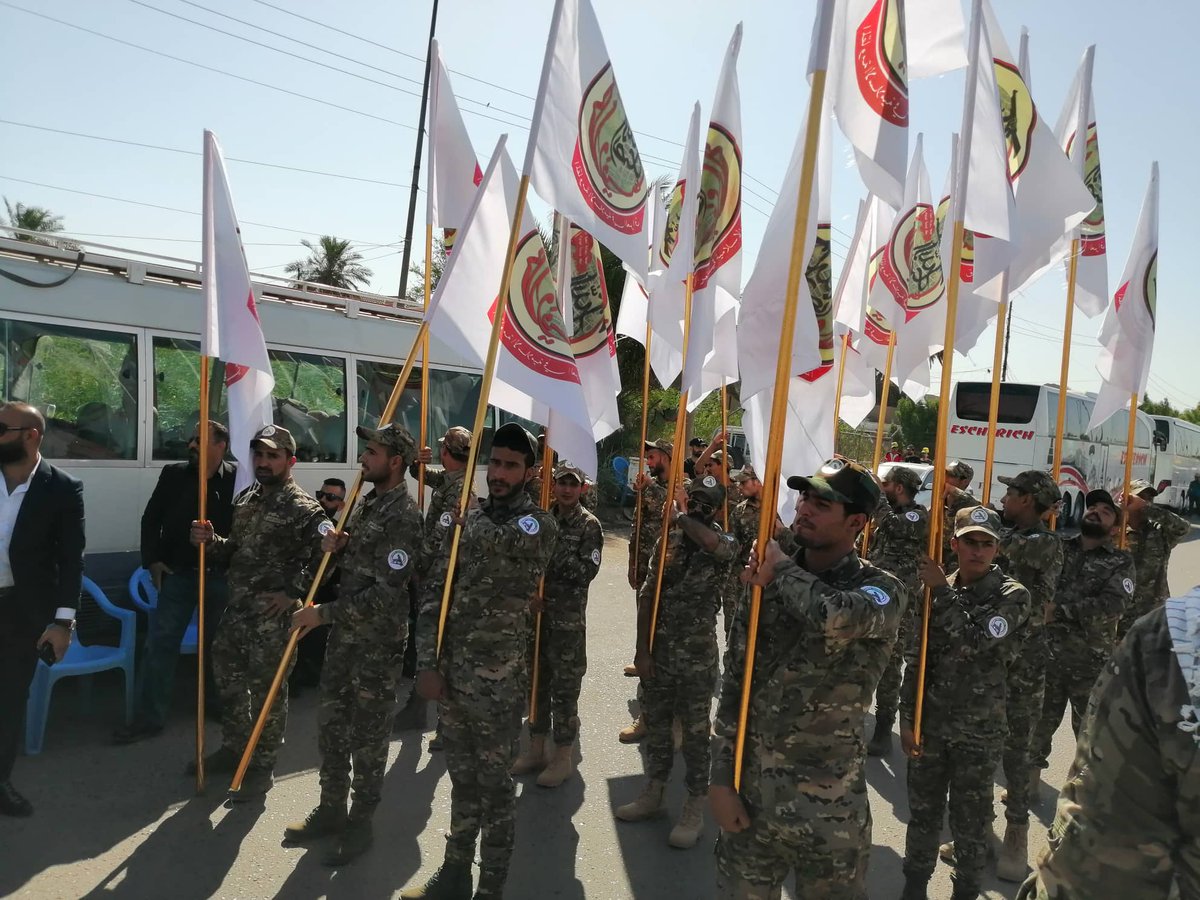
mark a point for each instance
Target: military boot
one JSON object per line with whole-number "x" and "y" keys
{"x": 881, "y": 738}
{"x": 965, "y": 892}
{"x": 1014, "y": 855}
{"x": 533, "y": 759}
{"x": 491, "y": 884}
{"x": 325, "y": 820}
{"x": 353, "y": 843}
{"x": 452, "y": 881}
{"x": 561, "y": 767}
{"x": 254, "y": 786}
{"x": 946, "y": 850}
{"x": 648, "y": 804}
{"x": 916, "y": 887}
{"x": 631, "y": 734}
{"x": 687, "y": 830}
{"x": 221, "y": 761}
{"x": 414, "y": 716}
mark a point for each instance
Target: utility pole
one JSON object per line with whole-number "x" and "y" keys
{"x": 416, "y": 173}
{"x": 1007, "y": 338}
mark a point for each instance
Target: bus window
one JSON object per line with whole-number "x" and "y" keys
{"x": 1077, "y": 418}
{"x": 453, "y": 397}
{"x": 310, "y": 402}
{"x": 1018, "y": 402}
{"x": 176, "y": 396}
{"x": 85, "y": 382}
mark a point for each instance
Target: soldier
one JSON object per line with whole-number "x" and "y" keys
{"x": 679, "y": 674}
{"x": 270, "y": 555}
{"x": 900, "y": 539}
{"x": 827, "y": 627}
{"x": 743, "y": 525}
{"x": 481, "y": 679}
{"x": 1128, "y": 818}
{"x": 1096, "y": 583}
{"x": 563, "y": 657}
{"x": 445, "y": 493}
{"x": 972, "y": 638}
{"x": 1031, "y": 554}
{"x": 1153, "y": 532}
{"x": 956, "y": 497}
{"x": 377, "y": 555}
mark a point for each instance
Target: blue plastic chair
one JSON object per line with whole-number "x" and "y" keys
{"x": 145, "y": 597}
{"x": 621, "y": 469}
{"x": 81, "y": 660}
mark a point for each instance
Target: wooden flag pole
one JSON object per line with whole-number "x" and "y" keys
{"x": 637, "y": 516}
{"x": 883, "y": 406}
{"x": 989, "y": 455}
{"x": 384, "y": 418}
{"x": 837, "y": 397}
{"x": 201, "y": 514}
{"x": 1065, "y": 365}
{"x": 772, "y": 471}
{"x": 725, "y": 456}
{"x": 676, "y": 476}
{"x": 485, "y": 390}
{"x": 547, "y": 481}
{"x": 1122, "y": 535}
{"x": 423, "y": 439}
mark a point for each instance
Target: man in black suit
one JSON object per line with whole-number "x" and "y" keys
{"x": 41, "y": 567}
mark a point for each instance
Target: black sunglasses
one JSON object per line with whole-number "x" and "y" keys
{"x": 5, "y": 428}
{"x": 325, "y": 495}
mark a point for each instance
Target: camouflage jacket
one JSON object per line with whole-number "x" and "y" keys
{"x": 502, "y": 555}
{"x": 1034, "y": 557}
{"x": 446, "y": 492}
{"x": 823, "y": 642}
{"x": 691, "y": 594}
{"x": 900, "y": 539}
{"x": 652, "y": 498}
{"x": 383, "y": 553}
{"x": 743, "y": 526}
{"x": 574, "y": 563}
{"x": 274, "y": 544}
{"x": 1128, "y": 819}
{"x": 1151, "y": 546}
{"x": 957, "y": 499}
{"x": 1093, "y": 590}
{"x": 973, "y": 636}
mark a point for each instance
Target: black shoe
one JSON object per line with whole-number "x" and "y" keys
{"x": 221, "y": 761}
{"x": 881, "y": 740}
{"x": 12, "y": 803}
{"x": 450, "y": 882}
{"x": 915, "y": 888}
{"x": 254, "y": 786}
{"x": 138, "y": 731}
{"x": 354, "y": 842}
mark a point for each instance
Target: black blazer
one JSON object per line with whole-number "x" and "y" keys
{"x": 46, "y": 551}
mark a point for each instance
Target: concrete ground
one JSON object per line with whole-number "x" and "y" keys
{"x": 124, "y": 822}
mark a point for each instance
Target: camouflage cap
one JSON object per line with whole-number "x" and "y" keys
{"x": 276, "y": 437}
{"x": 745, "y": 473}
{"x": 977, "y": 518}
{"x": 393, "y": 436}
{"x": 1139, "y": 486}
{"x": 718, "y": 455}
{"x": 1036, "y": 482}
{"x": 566, "y": 470}
{"x": 457, "y": 441}
{"x": 661, "y": 446}
{"x": 905, "y": 477}
{"x": 958, "y": 469}
{"x": 1100, "y": 496}
{"x": 842, "y": 481}
{"x": 707, "y": 489}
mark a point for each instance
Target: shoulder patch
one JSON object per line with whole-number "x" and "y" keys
{"x": 1128, "y": 585}
{"x": 979, "y": 515}
{"x": 529, "y": 525}
{"x": 397, "y": 559}
{"x": 267, "y": 432}
{"x": 997, "y": 626}
{"x": 445, "y": 520}
{"x": 325, "y": 527}
{"x": 595, "y": 557}
{"x": 913, "y": 516}
{"x": 878, "y": 595}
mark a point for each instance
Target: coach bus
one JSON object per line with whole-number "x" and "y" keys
{"x": 1025, "y": 437}
{"x": 1177, "y": 461}
{"x": 105, "y": 342}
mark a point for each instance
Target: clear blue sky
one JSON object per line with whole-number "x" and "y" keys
{"x": 666, "y": 56}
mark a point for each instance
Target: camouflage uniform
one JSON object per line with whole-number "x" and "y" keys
{"x": 1033, "y": 557}
{"x": 900, "y": 539}
{"x": 973, "y": 636}
{"x": 957, "y": 499}
{"x": 823, "y": 641}
{"x": 366, "y": 646}
{"x": 1093, "y": 590}
{"x": 1151, "y": 546}
{"x": 652, "y": 498}
{"x": 684, "y": 653}
{"x": 273, "y": 545}
{"x": 1128, "y": 821}
{"x": 503, "y": 552}
{"x": 743, "y": 527}
{"x": 563, "y": 658}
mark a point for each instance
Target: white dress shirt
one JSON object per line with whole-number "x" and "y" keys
{"x": 10, "y": 508}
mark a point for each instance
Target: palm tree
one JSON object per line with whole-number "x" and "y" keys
{"x": 32, "y": 218}
{"x": 331, "y": 261}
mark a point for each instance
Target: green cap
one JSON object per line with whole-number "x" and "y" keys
{"x": 661, "y": 446}
{"x": 276, "y": 437}
{"x": 977, "y": 518}
{"x": 391, "y": 435}
{"x": 841, "y": 481}
{"x": 959, "y": 469}
{"x": 1036, "y": 482}
{"x": 707, "y": 489}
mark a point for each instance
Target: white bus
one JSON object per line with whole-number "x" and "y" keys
{"x": 1025, "y": 436}
{"x": 1177, "y": 461}
{"x": 109, "y": 351}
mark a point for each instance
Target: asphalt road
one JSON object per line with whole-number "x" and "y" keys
{"x": 124, "y": 822}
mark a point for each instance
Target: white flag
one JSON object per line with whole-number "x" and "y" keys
{"x": 535, "y": 368}
{"x": 232, "y": 332}
{"x": 665, "y": 360}
{"x": 454, "y": 171}
{"x": 858, "y": 386}
{"x": 582, "y": 158}
{"x": 1127, "y": 336}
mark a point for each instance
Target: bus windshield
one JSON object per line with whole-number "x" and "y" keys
{"x": 1018, "y": 402}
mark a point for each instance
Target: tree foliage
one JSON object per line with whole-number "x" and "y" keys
{"x": 331, "y": 261}
{"x": 917, "y": 421}
{"x": 32, "y": 218}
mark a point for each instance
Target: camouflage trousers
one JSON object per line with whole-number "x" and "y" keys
{"x": 732, "y": 598}
{"x": 887, "y": 693}
{"x": 1071, "y": 672}
{"x": 964, "y": 771}
{"x": 827, "y": 852}
{"x": 246, "y": 653}
{"x": 562, "y": 663}
{"x": 1026, "y": 684}
{"x": 481, "y": 724}
{"x": 682, "y": 687}
{"x": 354, "y": 719}
{"x": 1138, "y": 607}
